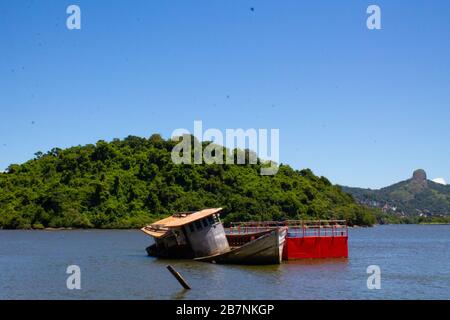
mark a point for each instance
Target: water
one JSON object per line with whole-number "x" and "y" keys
{"x": 414, "y": 262}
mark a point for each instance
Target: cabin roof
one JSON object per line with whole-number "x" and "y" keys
{"x": 155, "y": 231}
{"x": 162, "y": 227}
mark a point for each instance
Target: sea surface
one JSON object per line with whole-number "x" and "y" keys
{"x": 414, "y": 261}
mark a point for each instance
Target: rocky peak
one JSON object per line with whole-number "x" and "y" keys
{"x": 420, "y": 175}
{"x": 419, "y": 181}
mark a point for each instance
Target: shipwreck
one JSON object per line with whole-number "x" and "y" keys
{"x": 200, "y": 235}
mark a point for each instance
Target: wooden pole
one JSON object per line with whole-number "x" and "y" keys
{"x": 178, "y": 276}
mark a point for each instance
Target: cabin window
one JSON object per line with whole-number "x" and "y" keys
{"x": 211, "y": 220}
{"x": 198, "y": 225}
{"x": 191, "y": 227}
{"x": 205, "y": 223}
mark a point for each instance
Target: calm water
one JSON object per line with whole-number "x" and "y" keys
{"x": 414, "y": 261}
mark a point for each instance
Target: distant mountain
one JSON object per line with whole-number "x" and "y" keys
{"x": 415, "y": 196}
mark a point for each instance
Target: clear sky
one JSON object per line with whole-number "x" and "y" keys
{"x": 361, "y": 107}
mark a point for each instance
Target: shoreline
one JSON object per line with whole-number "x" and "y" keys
{"x": 138, "y": 229}
{"x": 74, "y": 229}
{"x": 434, "y": 223}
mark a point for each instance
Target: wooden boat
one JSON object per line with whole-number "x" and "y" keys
{"x": 187, "y": 235}
{"x": 200, "y": 235}
{"x": 264, "y": 247}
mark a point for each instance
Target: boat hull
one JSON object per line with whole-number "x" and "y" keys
{"x": 266, "y": 249}
{"x": 315, "y": 247}
{"x": 178, "y": 252}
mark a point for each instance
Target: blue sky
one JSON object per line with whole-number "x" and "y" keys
{"x": 362, "y": 107}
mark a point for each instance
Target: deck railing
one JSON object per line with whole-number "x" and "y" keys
{"x": 296, "y": 228}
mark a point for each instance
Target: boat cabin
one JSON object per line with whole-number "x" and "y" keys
{"x": 188, "y": 235}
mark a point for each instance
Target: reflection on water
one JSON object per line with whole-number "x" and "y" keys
{"x": 413, "y": 259}
{"x": 180, "y": 295}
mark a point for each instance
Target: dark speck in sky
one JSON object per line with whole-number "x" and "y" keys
{"x": 252, "y": 9}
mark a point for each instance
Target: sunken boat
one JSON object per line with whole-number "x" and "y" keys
{"x": 200, "y": 235}
{"x": 259, "y": 247}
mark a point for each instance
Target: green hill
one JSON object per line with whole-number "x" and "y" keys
{"x": 414, "y": 197}
{"x": 128, "y": 183}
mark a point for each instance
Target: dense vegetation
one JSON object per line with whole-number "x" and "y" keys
{"x": 128, "y": 183}
{"x": 417, "y": 198}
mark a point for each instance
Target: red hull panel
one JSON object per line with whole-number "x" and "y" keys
{"x": 315, "y": 247}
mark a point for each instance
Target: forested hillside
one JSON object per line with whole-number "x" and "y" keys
{"x": 128, "y": 183}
